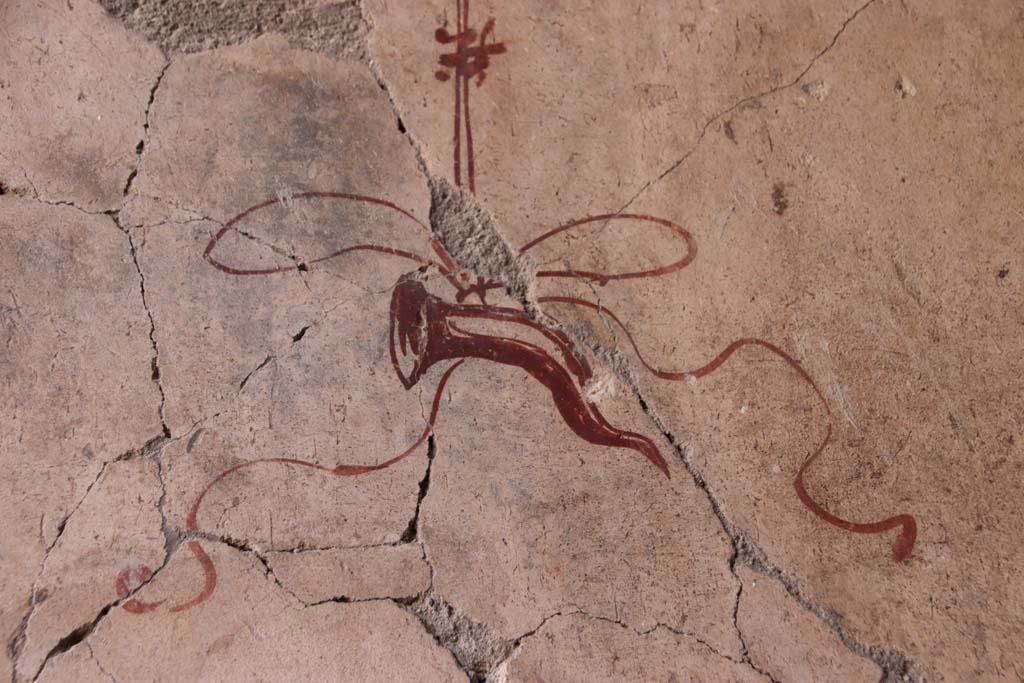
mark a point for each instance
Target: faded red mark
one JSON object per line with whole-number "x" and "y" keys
{"x": 425, "y": 330}
{"x": 128, "y": 581}
{"x": 468, "y": 61}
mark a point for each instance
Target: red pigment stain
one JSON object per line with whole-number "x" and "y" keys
{"x": 128, "y": 581}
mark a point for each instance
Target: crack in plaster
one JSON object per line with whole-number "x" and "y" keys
{"x": 411, "y": 533}
{"x": 140, "y": 148}
{"x": 92, "y": 655}
{"x": 497, "y": 671}
{"x": 740, "y": 103}
{"x": 16, "y": 644}
{"x": 153, "y": 448}
{"x": 246, "y": 549}
{"x": 81, "y": 633}
{"x": 155, "y": 360}
{"x": 747, "y": 100}
{"x": 894, "y": 664}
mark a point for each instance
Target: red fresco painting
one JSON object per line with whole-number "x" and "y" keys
{"x": 426, "y": 330}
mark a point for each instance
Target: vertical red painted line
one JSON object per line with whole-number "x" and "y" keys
{"x": 470, "y": 166}
{"x": 457, "y": 134}
{"x": 470, "y": 171}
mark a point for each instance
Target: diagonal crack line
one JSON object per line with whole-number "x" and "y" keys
{"x": 259, "y": 367}
{"x": 671, "y": 168}
{"x": 80, "y": 634}
{"x": 246, "y": 549}
{"x": 140, "y": 148}
{"x": 895, "y": 665}
{"x": 147, "y": 449}
{"x": 17, "y": 641}
{"x": 382, "y": 84}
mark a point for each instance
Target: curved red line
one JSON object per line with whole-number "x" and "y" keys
{"x": 136, "y": 606}
{"x": 123, "y": 588}
{"x": 447, "y": 265}
{"x": 210, "y": 571}
{"x": 209, "y": 578}
{"x": 691, "y": 249}
{"x": 903, "y": 544}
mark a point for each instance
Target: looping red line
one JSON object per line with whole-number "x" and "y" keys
{"x": 447, "y": 265}
{"x": 903, "y": 544}
{"x": 209, "y": 578}
{"x": 603, "y": 278}
{"x": 207, "y": 565}
{"x": 123, "y": 587}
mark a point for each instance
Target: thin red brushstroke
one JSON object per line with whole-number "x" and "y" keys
{"x": 470, "y": 164}
{"x": 904, "y": 542}
{"x": 209, "y": 578}
{"x": 604, "y": 278}
{"x": 458, "y": 123}
{"x": 446, "y": 267}
{"x": 191, "y": 522}
{"x": 127, "y": 581}
{"x": 446, "y": 260}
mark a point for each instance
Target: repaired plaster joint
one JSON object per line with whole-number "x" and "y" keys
{"x": 470, "y": 235}
{"x": 336, "y": 28}
{"x": 894, "y": 664}
{"x": 476, "y": 650}
{"x": 896, "y": 667}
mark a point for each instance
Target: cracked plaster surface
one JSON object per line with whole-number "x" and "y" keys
{"x": 847, "y": 173}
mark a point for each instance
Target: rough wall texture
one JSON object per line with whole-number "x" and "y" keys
{"x": 462, "y": 340}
